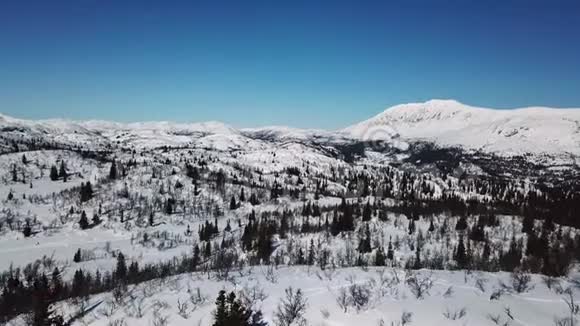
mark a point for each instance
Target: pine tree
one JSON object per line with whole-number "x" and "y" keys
{"x": 84, "y": 222}
{"x": 311, "y": 254}
{"x": 57, "y": 286}
{"x": 27, "y": 231}
{"x": 460, "y": 256}
{"x": 77, "y": 257}
{"x": 380, "y": 259}
{"x": 14, "y": 173}
{"x": 365, "y": 242}
{"x": 113, "y": 171}
{"x": 528, "y": 224}
{"x": 86, "y": 191}
{"x": 53, "y": 173}
{"x": 121, "y": 270}
{"x": 62, "y": 172}
{"x": 461, "y": 224}
{"x": 431, "y": 226}
{"x": 96, "y": 219}
{"x": 411, "y": 226}
{"x": 417, "y": 263}
{"x": 196, "y": 258}
{"x": 390, "y": 251}
{"x": 221, "y": 313}
{"x": 367, "y": 212}
{"x": 233, "y": 204}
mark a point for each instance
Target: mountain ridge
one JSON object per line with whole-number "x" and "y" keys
{"x": 448, "y": 123}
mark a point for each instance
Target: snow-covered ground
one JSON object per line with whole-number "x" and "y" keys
{"x": 388, "y": 290}
{"x": 154, "y": 161}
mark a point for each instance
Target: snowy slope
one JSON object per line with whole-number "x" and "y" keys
{"x": 152, "y": 302}
{"x": 534, "y": 130}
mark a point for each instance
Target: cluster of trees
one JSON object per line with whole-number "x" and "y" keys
{"x": 61, "y": 173}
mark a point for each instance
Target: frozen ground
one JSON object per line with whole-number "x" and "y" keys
{"x": 389, "y": 297}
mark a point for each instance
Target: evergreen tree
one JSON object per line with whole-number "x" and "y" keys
{"x": 53, "y": 173}
{"x": 411, "y": 226}
{"x": 196, "y": 258}
{"x": 380, "y": 258}
{"x": 528, "y": 224}
{"x": 233, "y": 204}
{"x": 461, "y": 224}
{"x": 77, "y": 257}
{"x": 431, "y": 226}
{"x": 231, "y": 312}
{"x": 311, "y": 254}
{"x": 84, "y": 222}
{"x": 221, "y": 313}
{"x": 367, "y": 212}
{"x": 96, "y": 219}
{"x": 460, "y": 255}
{"x": 242, "y": 196}
{"x": 417, "y": 264}
{"x": 121, "y": 270}
{"x": 14, "y": 173}
{"x": 62, "y": 172}
{"x": 364, "y": 245}
{"x": 86, "y": 191}
{"x": 27, "y": 231}
{"x": 390, "y": 251}
{"x": 113, "y": 171}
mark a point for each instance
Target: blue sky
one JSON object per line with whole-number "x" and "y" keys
{"x": 322, "y": 64}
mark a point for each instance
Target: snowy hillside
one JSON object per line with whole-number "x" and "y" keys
{"x": 533, "y": 130}
{"x": 149, "y": 221}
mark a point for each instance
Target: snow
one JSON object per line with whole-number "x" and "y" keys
{"x": 533, "y": 130}
{"x": 388, "y": 298}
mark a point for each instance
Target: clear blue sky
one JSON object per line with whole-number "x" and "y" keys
{"x": 300, "y": 63}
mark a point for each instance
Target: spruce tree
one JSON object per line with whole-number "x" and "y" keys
{"x": 380, "y": 259}
{"x": 390, "y": 251}
{"x": 367, "y": 212}
{"x": 411, "y": 226}
{"x": 77, "y": 257}
{"x": 96, "y": 219}
{"x": 84, "y": 222}
{"x": 53, "y": 173}
{"x": 528, "y": 224}
{"x": 460, "y": 255}
{"x": 121, "y": 270}
{"x": 62, "y": 172}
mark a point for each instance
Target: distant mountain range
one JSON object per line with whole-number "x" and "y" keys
{"x": 446, "y": 123}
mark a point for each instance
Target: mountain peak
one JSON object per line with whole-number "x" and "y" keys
{"x": 451, "y": 123}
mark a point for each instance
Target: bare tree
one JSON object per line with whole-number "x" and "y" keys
{"x": 496, "y": 319}
{"x": 182, "y": 309}
{"x": 291, "y": 309}
{"x": 572, "y": 307}
{"x": 455, "y": 314}
{"x": 406, "y": 318}
{"x": 521, "y": 282}
{"x": 420, "y": 285}
{"x": 552, "y": 283}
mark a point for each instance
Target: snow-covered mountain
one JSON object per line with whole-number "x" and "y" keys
{"x": 447, "y": 123}
{"x": 373, "y": 223}
{"x": 534, "y": 130}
